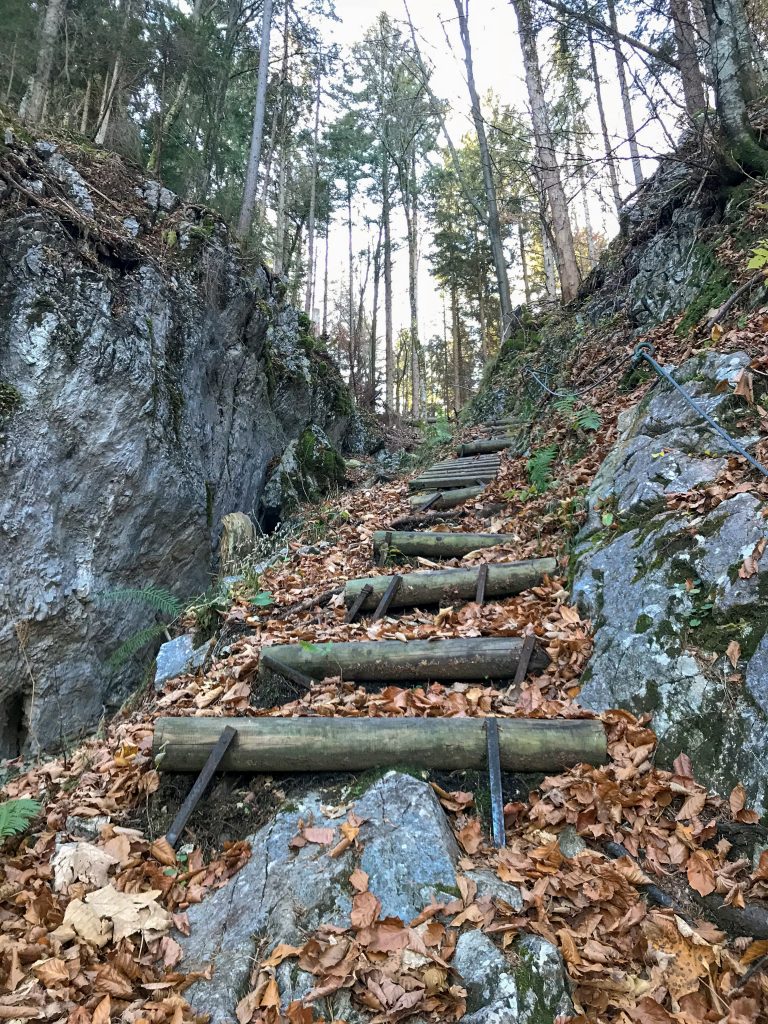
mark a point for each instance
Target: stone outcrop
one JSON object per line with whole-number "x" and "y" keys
{"x": 664, "y": 590}
{"x": 410, "y": 856}
{"x": 149, "y": 384}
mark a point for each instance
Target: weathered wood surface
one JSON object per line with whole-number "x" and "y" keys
{"x": 356, "y": 744}
{"x": 211, "y": 766}
{"x": 450, "y": 497}
{"x": 451, "y": 483}
{"x": 384, "y": 661}
{"x": 435, "y": 544}
{"x": 444, "y": 586}
{"x": 485, "y": 445}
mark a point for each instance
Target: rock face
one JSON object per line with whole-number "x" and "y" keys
{"x": 664, "y": 590}
{"x": 410, "y": 855}
{"x": 141, "y": 398}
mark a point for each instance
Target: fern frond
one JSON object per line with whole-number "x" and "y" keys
{"x": 564, "y": 405}
{"x": 540, "y": 467}
{"x": 15, "y": 815}
{"x": 134, "y": 644}
{"x": 588, "y": 419}
{"x": 159, "y": 598}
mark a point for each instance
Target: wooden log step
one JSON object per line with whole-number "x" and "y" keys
{"x": 468, "y": 463}
{"x": 444, "y": 586}
{"x": 435, "y": 544}
{"x": 357, "y": 744}
{"x": 449, "y": 498}
{"x": 389, "y": 661}
{"x": 483, "y": 446}
{"x": 451, "y": 481}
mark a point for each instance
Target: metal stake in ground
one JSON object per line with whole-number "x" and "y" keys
{"x": 360, "y": 600}
{"x": 201, "y": 784}
{"x": 525, "y": 659}
{"x": 386, "y": 600}
{"x": 494, "y": 779}
{"x": 482, "y": 576}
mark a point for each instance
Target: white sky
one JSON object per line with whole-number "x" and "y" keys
{"x": 498, "y": 66}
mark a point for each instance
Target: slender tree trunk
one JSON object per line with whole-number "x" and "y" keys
{"x": 548, "y": 170}
{"x": 280, "y": 220}
{"x": 254, "y": 157}
{"x": 625, "y": 100}
{"x": 12, "y": 70}
{"x": 350, "y": 265}
{"x": 375, "y": 316}
{"x": 86, "y": 106}
{"x": 411, "y": 210}
{"x": 690, "y": 72}
{"x": 389, "y": 350}
{"x": 481, "y": 317}
{"x": 456, "y": 348}
{"x": 550, "y": 284}
{"x": 609, "y": 157}
{"x": 33, "y": 103}
{"x": 524, "y": 261}
{"x": 313, "y": 199}
{"x": 324, "y": 332}
{"x": 591, "y": 250}
{"x": 105, "y": 115}
{"x": 269, "y": 155}
{"x": 494, "y": 225}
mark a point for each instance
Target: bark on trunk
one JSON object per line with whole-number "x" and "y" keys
{"x": 33, "y": 103}
{"x": 312, "y": 203}
{"x": 609, "y": 157}
{"x": 492, "y": 444}
{"x": 446, "y": 585}
{"x": 389, "y": 348}
{"x": 357, "y": 744}
{"x": 456, "y": 348}
{"x": 690, "y": 72}
{"x": 324, "y": 333}
{"x": 86, "y": 106}
{"x": 549, "y": 170}
{"x": 254, "y": 156}
{"x": 626, "y": 103}
{"x": 494, "y": 223}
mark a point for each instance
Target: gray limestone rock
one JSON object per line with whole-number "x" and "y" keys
{"x": 143, "y": 406}
{"x": 178, "y": 656}
{"x": 528, "y": 986}
{"x": 664, "y": 590}
{"x": 283, "y": 895}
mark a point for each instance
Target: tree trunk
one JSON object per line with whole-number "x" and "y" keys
{"x": 549, "y": 171}
{"x": 690, "y": 72}
{"x": 33, "y": 103}
{"x": 389, "y": 347}
{"x": 447, "y": 585}
{"x": 350, "y": 272}
{"x": 279, "y": 245}
{"x": 312, "y": 201}
{"x": 591, "y": 250}
{"x": 733, "y": 83}
{"x": 86, "y": 106}
{"x": 324, "y": 332}
{"x": 524, "y": 262}
{"x": 609, "y": 157}
{"x": 108, "y": 99}
{"x": 12, "y": 70}
{"x": 358, "y": 744}
{"x": 254, "y": 156}
{"x": 494, "y": 225}
{"x": 375, "y": 318}
{"x": 625, "y": 100}
{"x": 269, "y": 155}
{"x": 456, "y": 360}
{"x": 550, "y": 283}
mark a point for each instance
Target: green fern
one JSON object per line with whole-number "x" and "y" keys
{"x": 540, "y": 467}
{"x": 134, "y": 644}
{"x": 15, "y": 816}
{"x": 159, "y": 598}
{"x": 579, "y": 419}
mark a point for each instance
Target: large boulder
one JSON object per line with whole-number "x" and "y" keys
{"x": 664, "y": 590}
{"x": 410, "y": 855}
{"x": 142, "y": 396}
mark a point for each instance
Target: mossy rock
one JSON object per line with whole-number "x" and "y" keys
{"x": 10, "y": 399}
{"x": 319, "y": 462}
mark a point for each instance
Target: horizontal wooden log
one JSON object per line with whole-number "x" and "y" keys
{"x": 387, "y": 661}
{"x": 471, "y": 461}
{"x": 449, "y": 498}
{"x": 436, "y": 544}
{"x": 443, "y": 586}
{"x": 450, "y": 482}
{"x": 485, "y": 445}
{"x": 357, "y": 744}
